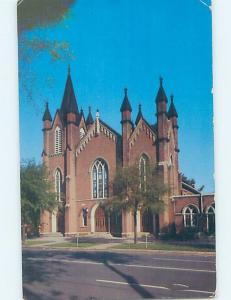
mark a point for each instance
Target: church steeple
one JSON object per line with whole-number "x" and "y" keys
{"x": 89, "y": 120}
{"x": 69, "y": 104}
{"x": 172, "y": 110}
{"x": 139, "y": 115}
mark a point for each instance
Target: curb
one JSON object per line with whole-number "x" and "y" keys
{"x": 179, "y": 252}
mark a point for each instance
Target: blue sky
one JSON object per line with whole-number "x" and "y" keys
{"x": 118, "y": 43}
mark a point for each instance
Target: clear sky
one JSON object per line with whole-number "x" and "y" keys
{"x": 118, "y": 43}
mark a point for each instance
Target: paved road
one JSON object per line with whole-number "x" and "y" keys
{"x": 80, "y": 275}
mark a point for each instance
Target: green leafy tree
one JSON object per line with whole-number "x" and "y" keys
{"x": 36, "y": 194}
{"x": 133, "y": 191}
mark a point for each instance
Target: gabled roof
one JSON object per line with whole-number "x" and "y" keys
{"x": 139, "y": 115}
{"x": 172, "y": 110}
{"x": 161, "y": 96}
{"x": 189, "y": 188}
{"x": 125, "y": 104}
{"x": 110, "y": 128}
{"x": 69, "y": 103}
{"x": 47, "y": 115}
{"x": 89, "y": 120}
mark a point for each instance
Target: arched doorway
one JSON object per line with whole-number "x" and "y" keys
{"x": 147, "y": 221}
{"x": 101, "y": 220}
{"x": 116, "y": 223}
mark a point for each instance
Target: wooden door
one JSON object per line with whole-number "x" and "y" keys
{"x": 101, "y": 223}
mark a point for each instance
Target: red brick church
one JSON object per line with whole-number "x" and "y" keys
{"x": 82, "y": 155}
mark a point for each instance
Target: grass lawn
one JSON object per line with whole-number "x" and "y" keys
{"x": 34, "y": 242}
{"x": 167, "y": 247}
{"x": 68, "y": 245}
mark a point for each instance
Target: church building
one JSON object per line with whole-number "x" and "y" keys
{"x": 82, "y": 155}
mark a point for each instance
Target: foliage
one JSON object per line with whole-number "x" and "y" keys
{"x": 34, "y": 13}
{"x": 189, "y": 181}
{"x": 131, "y": 192}
{"x": 36, "y": 193}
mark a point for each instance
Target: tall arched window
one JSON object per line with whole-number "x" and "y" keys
{"x": 58, "y": 140}
{"x": 190, "y": 214}
{"x": 100, "y": 179}
{"x": 210, "y": 215}
{"x": 58, "y": 182}
{"x": 143, "y": 163}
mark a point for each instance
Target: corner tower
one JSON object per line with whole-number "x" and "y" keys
{"x": 126, "y": 122}
{"x": 162, "y": 123}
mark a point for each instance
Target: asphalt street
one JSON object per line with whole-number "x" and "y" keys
{"x": 112, "y": 275}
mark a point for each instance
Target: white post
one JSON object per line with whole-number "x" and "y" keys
{"x": 146, "y": 240}
{"x": 77, "y": 240}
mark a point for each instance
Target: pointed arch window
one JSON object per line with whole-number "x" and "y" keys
{"x": 190, "y": 215}
{"x": 210, "y": 215}
{"x": 58, "y": 183}
{"x": 143, "y": 164}
{"x": 58, "y": 140}
{"x": 100, "y": 179}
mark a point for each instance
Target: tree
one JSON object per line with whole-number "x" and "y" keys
{"x": 134, "y": 189}
{"x": 36, "y": 194}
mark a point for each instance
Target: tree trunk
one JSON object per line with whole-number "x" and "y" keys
{"x": 135, "y": 226}
{"x": 23, "y": 234}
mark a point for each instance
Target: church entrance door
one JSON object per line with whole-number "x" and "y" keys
{"x": 147, "y": 221}
{"x": 101, "y": 220}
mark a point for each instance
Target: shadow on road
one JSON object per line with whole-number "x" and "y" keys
{"x": 45, "y": 274}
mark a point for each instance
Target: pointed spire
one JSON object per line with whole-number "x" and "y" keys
{"x": 47, "y": 115}
{"x": 161, "y": 96}
{"x": 172, "y": 110}
{"x": 69, "y": 69}
{"x": 126, "y": 104}
{"x": 139, "y": 115}
{"x": 89, "y": 120}
{"x": 69, "y": 103}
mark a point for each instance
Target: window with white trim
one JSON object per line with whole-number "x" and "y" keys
{"x": 58, "y": 140}
{"x": 100, "y": 179}
{"x": 190, "y": 215}
{"x": 58, "y": 183}
{"x": 143, "y": 163}
{"x": 210, "y": 216}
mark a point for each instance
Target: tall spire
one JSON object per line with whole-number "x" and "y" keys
{"x": 161, "y": 96}
{"x": 69, "y": 104}
{"x": 139, "y": 115}
{"x": 47, "y": 115}
{"x": 126, "y": 106}
{"x": 172, "y": 110}
{"x": 89, "y": 120}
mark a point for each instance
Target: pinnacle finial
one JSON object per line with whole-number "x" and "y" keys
{"x": 46, "y": 105}
{"x": 125, "y": 91}
{"x": 69, "y": 69}
{"x": 89, "y": 109}
{"x": 139, "y": 107}
{"x": 161, "y": 80}
{"x": 171, "y": 97}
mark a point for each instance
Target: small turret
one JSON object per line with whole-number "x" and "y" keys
{"x": 126, "y": 108}
{"x": 173, "y": 116}
{"x": 89, "y": 120}
{"x": 172, "y": 110}
{"x": 139, "y": 115}
{"x": 47, "y": 119}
